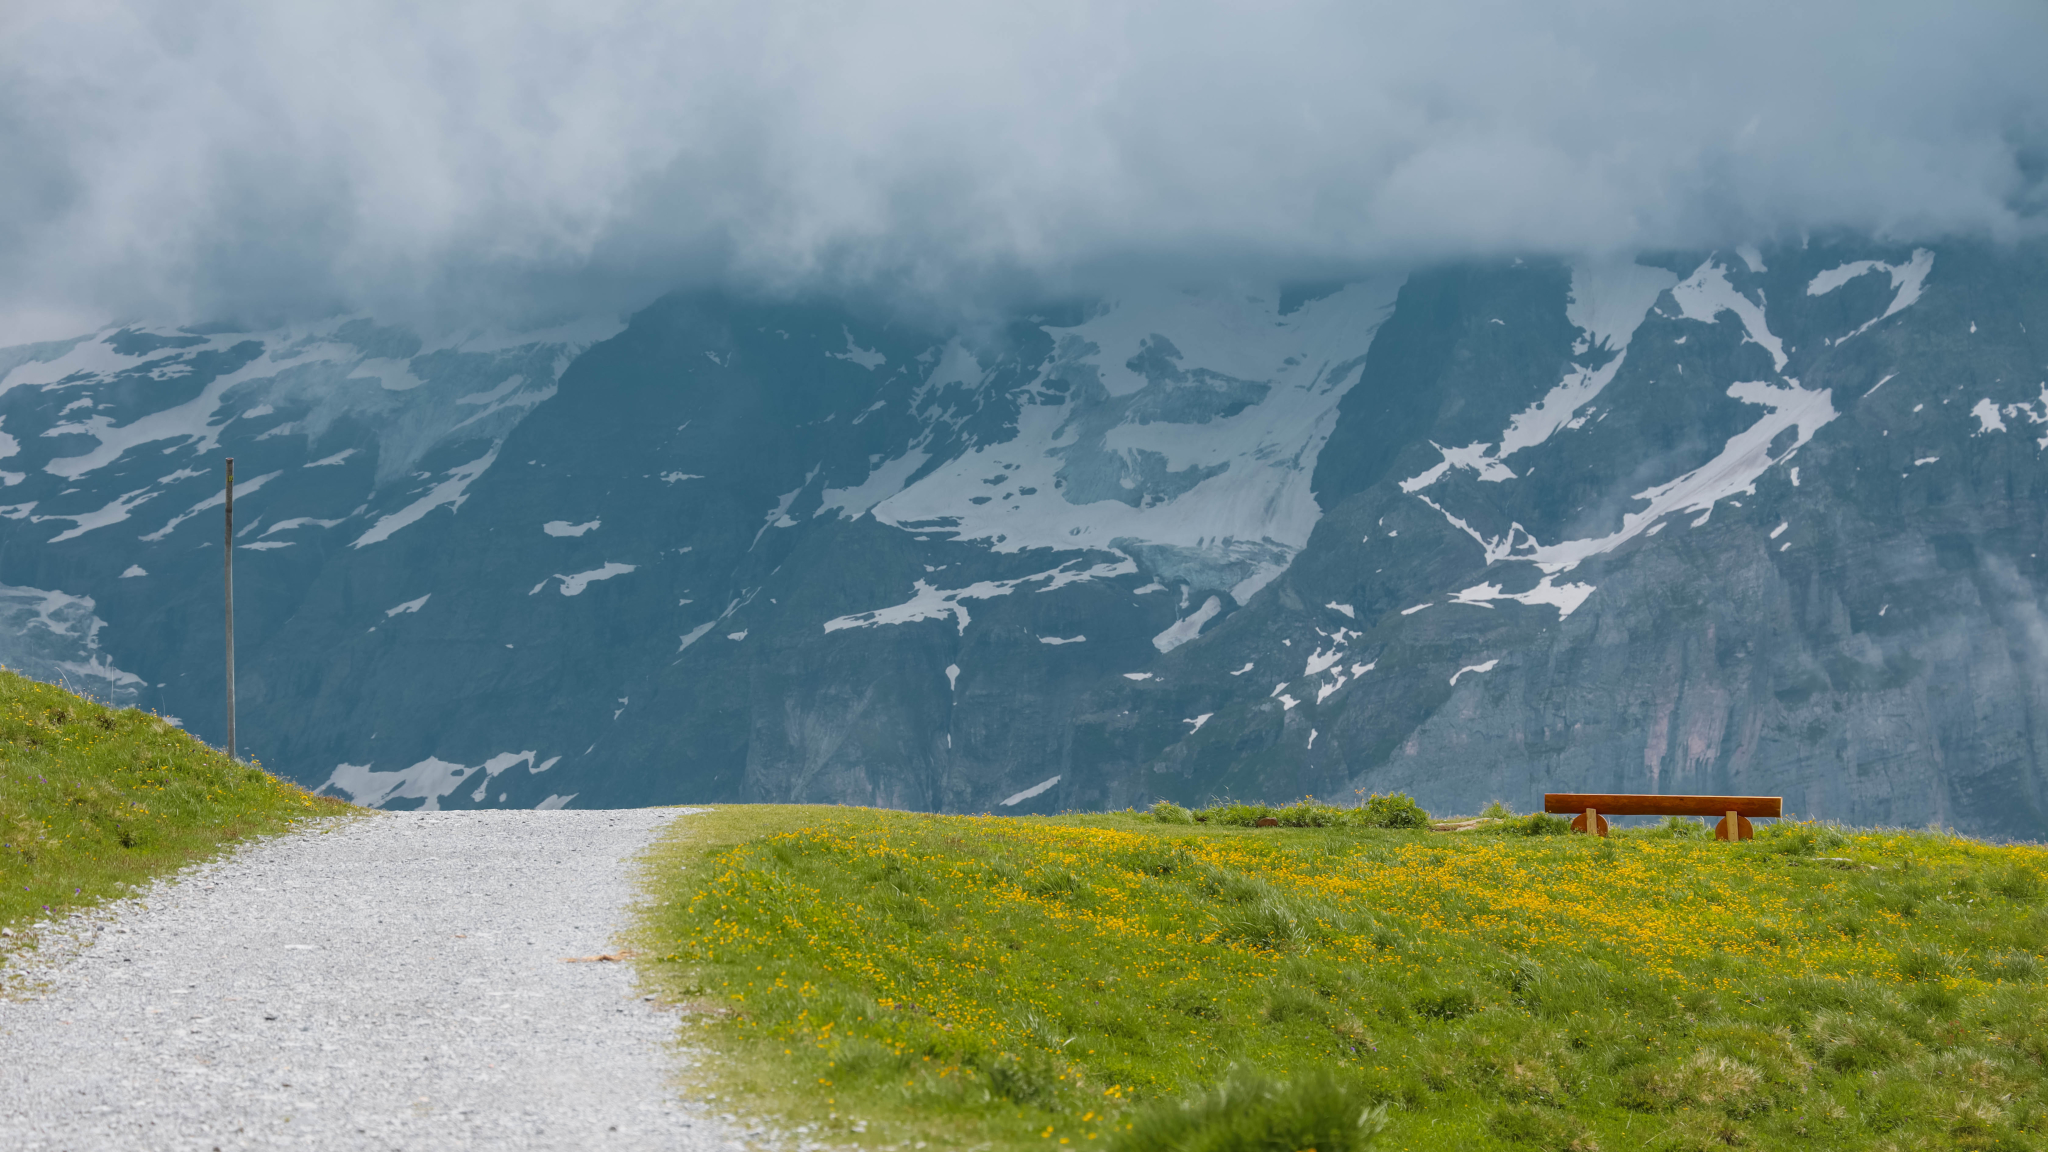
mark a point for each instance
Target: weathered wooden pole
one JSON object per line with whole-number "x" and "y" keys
{"x": 228, "y": 577}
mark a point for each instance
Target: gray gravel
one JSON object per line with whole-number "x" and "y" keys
{"x": 382, "y": 983}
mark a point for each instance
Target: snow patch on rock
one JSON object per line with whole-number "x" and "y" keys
{"x": 1187, "y": 628}
{"x": 1035, "y": 790}
{"x": 930, "y": 603}
{"x": 1908, "y": 280}
{"x": 574, "y": 585}
{"x": 1474, "y": 668}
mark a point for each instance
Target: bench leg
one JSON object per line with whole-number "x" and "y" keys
{"x": 1590, "y": 823}
{"x": 1734, "y": 826}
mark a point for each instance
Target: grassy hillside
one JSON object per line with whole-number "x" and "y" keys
{"x": 1118, "y": 981}
{"x": 94, "y": 800}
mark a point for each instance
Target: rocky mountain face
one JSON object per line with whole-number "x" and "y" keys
{"x": 1750, "y": 521}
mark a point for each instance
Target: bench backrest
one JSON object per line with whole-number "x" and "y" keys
{"x": 1626, "y": 804}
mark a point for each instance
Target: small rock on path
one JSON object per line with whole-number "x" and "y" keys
{"x": 392, "y": 982}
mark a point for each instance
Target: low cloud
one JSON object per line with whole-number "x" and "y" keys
{"x": 202, "y": 159}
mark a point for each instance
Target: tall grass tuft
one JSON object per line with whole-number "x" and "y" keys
{"x": 1393, "y": 810}
{"x": 1253, "y": 1113}
{"x": 1167, "y": 812}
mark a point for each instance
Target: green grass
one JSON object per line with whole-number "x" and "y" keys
{"x": 1122, "y": 981}
{"x": 1375, "y": 811}
{"x": 96, "y": 800}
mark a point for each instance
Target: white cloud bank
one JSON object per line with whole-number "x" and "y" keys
{"x": 183, "y": 159}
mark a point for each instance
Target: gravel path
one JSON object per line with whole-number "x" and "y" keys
{"x": 388, "y": 982}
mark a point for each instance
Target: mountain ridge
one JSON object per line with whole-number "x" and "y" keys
{"x": 1507, "y": 519}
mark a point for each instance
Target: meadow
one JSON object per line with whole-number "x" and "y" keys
{"x": 1185, "y": 981}
{"x": 95, "y": 801}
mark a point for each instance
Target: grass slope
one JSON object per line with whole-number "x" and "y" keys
{"x": 1064, "y": 982}
{"x": 94, "y": 800}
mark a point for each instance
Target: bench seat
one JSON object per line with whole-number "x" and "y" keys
{"x": 1734, "y": 811}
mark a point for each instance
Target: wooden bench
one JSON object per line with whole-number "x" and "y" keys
{"x": 1734, "y": 811}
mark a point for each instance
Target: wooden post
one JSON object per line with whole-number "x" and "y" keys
{"x": 228, "y": 581}
{"x": 1592, "y": 821}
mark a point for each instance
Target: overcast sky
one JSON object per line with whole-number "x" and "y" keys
{"x": 196, "y": 159}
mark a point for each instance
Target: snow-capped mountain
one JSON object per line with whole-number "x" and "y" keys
{"x": 1754, "y": 520}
